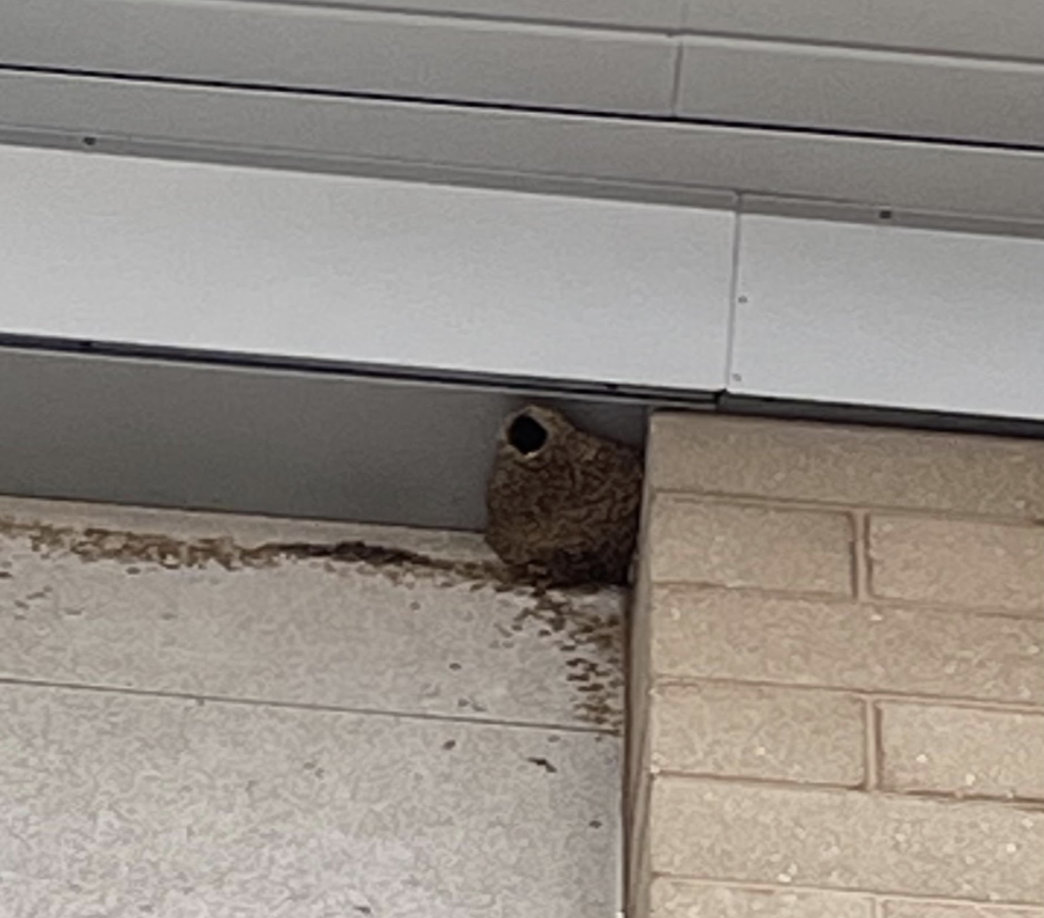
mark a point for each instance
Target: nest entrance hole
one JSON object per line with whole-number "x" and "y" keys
{"x": 527, "y": 435}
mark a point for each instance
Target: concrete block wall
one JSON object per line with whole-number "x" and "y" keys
{"x": 837, "y": 657}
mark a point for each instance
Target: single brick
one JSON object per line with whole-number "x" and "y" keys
{"x": 960, "y": 563}
{"x": 937, "y": 749}
{"x": 686, "y": 899}
{"x": 750, "y": 731}
{"x": 913, "y": 909}
{"x": 720, "y": 634}
{"x": 784, "y": 460}
{"x": 693, "y": 541}
{"x": 846, "y": 840}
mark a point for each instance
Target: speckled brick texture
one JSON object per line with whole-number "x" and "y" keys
{"x": 912, "y": 908}
{"x": 846, "y": 840}
{"x": 759, "y": 732}
{"x": 840, "y": 635}
{"x": 831, "y": 464}
{"x": 687, "y": 899}
{"x": 939, "y": 749}
{"x": 960, "y": 563}
{"x": 737, "y": 546}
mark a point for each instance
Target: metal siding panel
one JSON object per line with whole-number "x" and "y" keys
{"x": 346, "y": 51}
{"x": 899, "y": 318}
{"x": 864, "y": 91}
{"x": 502, "y": 146}
{"x": 653, "y": 14}
{"x": 349, "y": 270}
{"x": 1002, "y": 28}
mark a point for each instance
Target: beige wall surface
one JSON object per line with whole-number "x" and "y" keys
{"x": 837, "y": 702}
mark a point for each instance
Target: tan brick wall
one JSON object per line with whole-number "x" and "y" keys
{"x": 837, "y": 700}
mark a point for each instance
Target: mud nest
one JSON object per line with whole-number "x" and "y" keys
{"x": 563, "y": 505}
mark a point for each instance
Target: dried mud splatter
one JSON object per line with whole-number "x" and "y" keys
{"x": 591, "y": 640}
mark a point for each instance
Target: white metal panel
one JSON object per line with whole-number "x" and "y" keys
{"x": 890, "y": 317}
{"x": 510, "y": 146}
{"x": 1002, "y": 28}
{"x": 319, "y": 267}
{"x": 628, "y": 13}
{"x": 791, "y": 85}
{"x": 319, "y": 47}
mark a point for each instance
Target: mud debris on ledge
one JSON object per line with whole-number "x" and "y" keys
{"x": 590, "y": 640}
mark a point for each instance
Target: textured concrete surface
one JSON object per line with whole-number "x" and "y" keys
{"x": 222, "y": 716}
{"x": 130, "y": 805}
{"x": 305, "y": 613}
